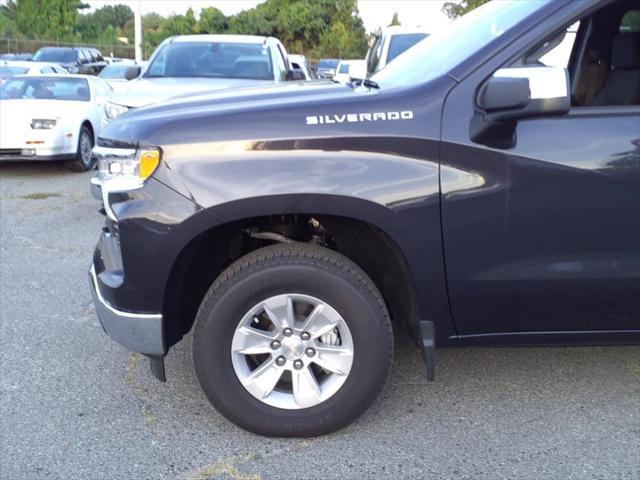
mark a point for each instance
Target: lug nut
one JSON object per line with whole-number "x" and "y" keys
{"x": 275, "y": 344}
{"x": 310, "y": 352}
{"x": 287, "y": 332}
{"x": 280, "y": 361}
{"x": 298, "y": 364}
{"x": 305, "y": 336}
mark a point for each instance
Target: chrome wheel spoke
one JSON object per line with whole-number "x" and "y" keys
{"x": 334, "y": 359}
{"x": 288, "y": 377}
{"x": 263, "y": 379}
{"x": 251, "y": 341}
{"x": 306, "y": 390}
{"x": 320, "y": 321}
{"x": 280, "y": 311}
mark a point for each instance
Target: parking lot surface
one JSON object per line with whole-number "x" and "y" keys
{"x": 74, "y": 405}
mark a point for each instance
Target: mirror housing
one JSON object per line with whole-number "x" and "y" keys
{"x": 358, "y": 70}
{"x": 514, "y": 94}
{"x": 132, "y": 72}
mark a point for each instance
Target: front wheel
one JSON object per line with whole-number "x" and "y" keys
{"x": 83, "y": 161}
{"x": 292, "y": 340}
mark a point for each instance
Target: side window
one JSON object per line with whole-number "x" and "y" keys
{"x": 557, "y": 51}
{"x": 46, "y": 70}
{"x": 99, "y": 57}
{"x": 82, "y": 58}
{"x": 602, "y": 55}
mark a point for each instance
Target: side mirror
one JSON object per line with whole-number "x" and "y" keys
{"x": 514, "y": 94}
{"x": 295, "y": 75}
{"x": 132, "y": 72}
{"x": 358, "y": 70}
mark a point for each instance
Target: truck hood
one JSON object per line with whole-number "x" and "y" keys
{"x": 146, "y": 91}
{"x": 256, "y": 106}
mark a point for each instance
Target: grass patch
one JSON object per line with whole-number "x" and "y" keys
{"x": 38, "y": 196}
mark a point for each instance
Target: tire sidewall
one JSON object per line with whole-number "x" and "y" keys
{"x": 357, "y": 306}
{"x": 84, "y": 132}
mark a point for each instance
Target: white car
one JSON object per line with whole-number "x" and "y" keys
{"x": 10, "y": 68}
{"x": 51, "y": 117}
{"x": 342, "y": 70}
{"x": 391, "y": 42}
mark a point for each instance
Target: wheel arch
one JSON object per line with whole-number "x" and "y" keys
{"x": 368, "y": 233}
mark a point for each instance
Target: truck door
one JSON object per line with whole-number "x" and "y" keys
{"x": 543, "y": 236}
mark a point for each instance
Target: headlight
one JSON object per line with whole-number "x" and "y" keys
{"x": 42, "y": 123}
{"x": 113, "y": 110}
{"x": 132, "y": 167}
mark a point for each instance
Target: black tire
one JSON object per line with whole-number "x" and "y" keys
{"x": 304, "y": 269}
{"x": 82, "y": 163}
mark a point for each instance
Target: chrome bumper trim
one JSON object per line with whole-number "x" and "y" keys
{"x": 138, "y": 332}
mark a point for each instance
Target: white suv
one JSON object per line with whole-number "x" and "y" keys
{"x": 391, "y": 42}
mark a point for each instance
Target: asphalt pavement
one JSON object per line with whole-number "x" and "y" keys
{"x": 74, "y": 405}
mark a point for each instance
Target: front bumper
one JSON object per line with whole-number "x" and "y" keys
{"x": 138, "y": 332}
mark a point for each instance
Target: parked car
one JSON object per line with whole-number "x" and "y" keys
{"x": 467, "y": 192}
{"x": 118, "y": 74}
{"x": 196, "y": 63}
{"x": 51, "y": 117}
{"x": 391, "y": 42}
{"x": 327, "y": 67}
{"x": 342, "y": 70}
{"x": 16, "y": 56}
{"x": 9, "y": 69}
{"x": 300, "y": 62}
{"x": 83, "y": 60}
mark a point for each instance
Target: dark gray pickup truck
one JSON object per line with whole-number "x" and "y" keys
{"x": 475, "y": 193}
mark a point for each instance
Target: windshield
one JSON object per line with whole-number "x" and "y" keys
{"x": 7, "y": 71}
{"x": 115, "y": 71}
{"x": 441, "y": 52}
{"x": 57, "y": 55}
{"x": 217, "y": 60}
{"x": 328, "y": 63}
{"x": 45, "y": 88}
{"x": 403, "y": 42}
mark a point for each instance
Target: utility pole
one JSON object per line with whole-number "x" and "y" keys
{"x": 137, "y": 20}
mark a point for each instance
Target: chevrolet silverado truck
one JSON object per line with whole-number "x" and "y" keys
{"x": 483, "y": 192}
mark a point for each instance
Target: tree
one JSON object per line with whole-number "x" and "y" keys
{"x": 57, "y": 20}
{"x": 212, "y": 20}
{"x": 460, "y": 7}
{"x": 395, "y": 21}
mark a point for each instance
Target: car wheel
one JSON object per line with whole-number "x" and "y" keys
{"x": 292, "y": 340}
{"x": 83, "y": 161}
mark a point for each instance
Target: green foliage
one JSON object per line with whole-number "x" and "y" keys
{"x": 212, "y": 20}
{"x": 460, "y": 7}
{"x": 631, "y": 20}
{"x": 56, "y": 21}
{"x": 315, "y": 27}
{"x": 395, "y": 21}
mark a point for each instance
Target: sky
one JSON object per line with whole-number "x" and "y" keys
{"x": 374, "y": 13}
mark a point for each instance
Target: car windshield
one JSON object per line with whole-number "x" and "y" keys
{"x": 7, "y": 71}
{"x": 45, "y": 88}
{"x": 439, "y": 53}
{"x": 57, "y": 55}
{"x": 217, "y": 60}
{"x": 403, "y": 42}
{"x": 114, "y": 71}
{"x": 328, "y": 63}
